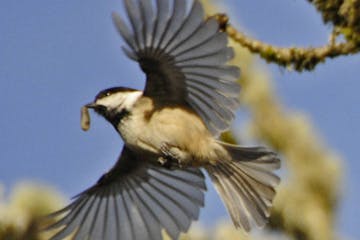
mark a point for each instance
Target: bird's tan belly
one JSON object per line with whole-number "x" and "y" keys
{"x": 184, "y": 132}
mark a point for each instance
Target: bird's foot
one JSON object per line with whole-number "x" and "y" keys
{"x": 171, "y": 156}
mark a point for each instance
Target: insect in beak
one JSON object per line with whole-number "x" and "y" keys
{"x": 85, "y": 116}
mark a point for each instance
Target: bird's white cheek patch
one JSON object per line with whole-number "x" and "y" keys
{"x": 131, "y": 98}
{"x": 112, "y": 101}
{"x": 120, "y": 100}
{"x": 85, "y": 118}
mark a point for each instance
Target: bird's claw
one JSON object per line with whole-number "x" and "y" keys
{"x": 170, "y": 158}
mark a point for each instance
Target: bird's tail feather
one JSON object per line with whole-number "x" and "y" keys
{"x": 246, "y": 184}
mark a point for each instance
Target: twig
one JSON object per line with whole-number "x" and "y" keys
{"x": 297, "y": 58}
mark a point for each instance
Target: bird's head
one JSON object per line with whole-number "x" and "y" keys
{"x": 114, "y": 103}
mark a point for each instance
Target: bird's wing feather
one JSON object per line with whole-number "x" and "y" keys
{"x": 134, "y": 200}
{"x": 184, "y": 58}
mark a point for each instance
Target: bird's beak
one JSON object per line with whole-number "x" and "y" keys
{"x": 91, "y": 105}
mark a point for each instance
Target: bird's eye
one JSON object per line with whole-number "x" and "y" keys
{"x": 108, "y": 94}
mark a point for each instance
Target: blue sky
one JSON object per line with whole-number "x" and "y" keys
{"x": 56, "y": 55}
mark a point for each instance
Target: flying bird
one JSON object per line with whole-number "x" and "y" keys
{"x": 170, "y": 132}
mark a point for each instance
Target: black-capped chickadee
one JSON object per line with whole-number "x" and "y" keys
{"x": 170, "y": 133}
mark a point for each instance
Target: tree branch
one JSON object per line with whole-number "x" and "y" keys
{"x": 306, "y": 58}
{"x": 298, "y": 58}
{"x": 343, "y": 14}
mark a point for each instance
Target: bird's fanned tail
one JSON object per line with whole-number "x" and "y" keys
{"x": 246, "y": 184}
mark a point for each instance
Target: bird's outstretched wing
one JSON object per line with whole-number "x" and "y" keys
{"x": 134, "y": 200}
{"x": 184, "y": 57}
